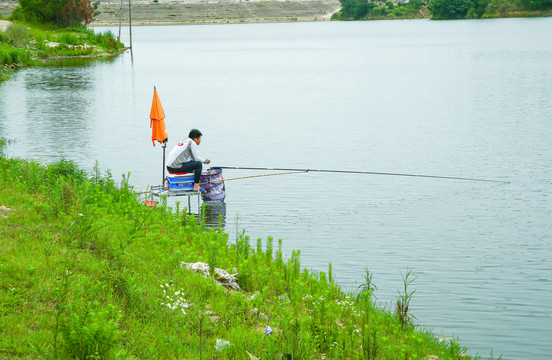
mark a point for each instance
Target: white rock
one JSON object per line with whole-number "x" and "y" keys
{"x": 221, "y": 276}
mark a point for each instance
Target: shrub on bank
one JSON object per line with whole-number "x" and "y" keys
{"x": 59, "y": 13}
{"x": 90, "y": 272}
{"x": 10, "y": 55}
{"x": 24, "y": 44}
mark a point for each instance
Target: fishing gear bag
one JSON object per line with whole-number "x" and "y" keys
{"x": 213, "y": 184}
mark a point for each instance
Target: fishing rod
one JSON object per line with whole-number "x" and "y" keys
{"x": 252, "y": 176}
{"x": 363, "y": 172}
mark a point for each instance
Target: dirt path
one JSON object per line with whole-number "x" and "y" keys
{"x": 4, "y": 25}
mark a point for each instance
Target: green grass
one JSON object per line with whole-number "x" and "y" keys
{"x": 87, "y": 271}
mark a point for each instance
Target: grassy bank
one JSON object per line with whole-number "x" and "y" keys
{"x": 88, "y": 272}
{"x": 25, "y": 44}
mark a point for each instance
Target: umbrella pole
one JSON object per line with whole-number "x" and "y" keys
{"x": 164, "y": 146}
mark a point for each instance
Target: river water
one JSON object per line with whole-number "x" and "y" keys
{"x": 449, "y": 98}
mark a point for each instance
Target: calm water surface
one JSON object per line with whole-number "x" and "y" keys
{"x": 461, "y": 98}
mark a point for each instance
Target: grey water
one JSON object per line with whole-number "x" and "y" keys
{"x": 447, "y": 98}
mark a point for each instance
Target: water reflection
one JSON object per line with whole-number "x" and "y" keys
{"x": 58, "y": 105}
{"x": 215, "y": 214}
{"x": 54, "y": 107}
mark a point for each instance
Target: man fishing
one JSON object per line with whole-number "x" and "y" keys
{"x": 184, "y": 158}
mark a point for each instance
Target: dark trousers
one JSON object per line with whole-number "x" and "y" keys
{"x": 195, "y": 166}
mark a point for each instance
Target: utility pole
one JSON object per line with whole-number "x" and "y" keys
{"x": 130, "y": 27}
{"x": 120, "y": 20}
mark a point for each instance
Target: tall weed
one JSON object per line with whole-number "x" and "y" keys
{"x": 90, "y": 330}
{"x": 403, "y": 310}
{"x": 18, "y": 34}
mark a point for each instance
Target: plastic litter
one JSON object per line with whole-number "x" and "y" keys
{"x": 223, "y": 277}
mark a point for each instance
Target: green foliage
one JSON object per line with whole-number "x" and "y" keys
{"x": 440, "y": 9}
{"x": 90, "y": 330}
{"x": 3, "y": 143}
{"x": 18, "y": 34}
{"x": 96, "y": 274}
{"x": 458, "y": 9}
{"x": 12, "y": 56}
{"x": 403, "y": 303}
{"x": 65, "y": 169}
{"x": 502, "y": 6}
{"x": 25, "y": 44}
{"x": 106, "y": 40}
{"x": 372, "y": 10}
{"x": 417, "y": 4}
{"x": 58, "y": 12}
{"x": 449, "y": 9}
{"x": 367, "y": 289}
{"x": 477, "y": 9}
{"x": 537, "y": 4}
{"x": 352, "y": 9}
{"x": 69, "y": 38}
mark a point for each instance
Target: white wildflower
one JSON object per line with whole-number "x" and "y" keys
{"x": 221, "y": 344}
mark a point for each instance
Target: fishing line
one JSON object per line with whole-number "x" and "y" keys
{"x": 362, "y": 172}
{"x": 252, "y": 176}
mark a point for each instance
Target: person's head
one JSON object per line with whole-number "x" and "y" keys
{"x": 195, "y": 135}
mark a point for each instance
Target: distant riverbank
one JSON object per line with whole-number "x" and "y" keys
{"x": 167, "y": 12}
{"x": 172, "y": 12}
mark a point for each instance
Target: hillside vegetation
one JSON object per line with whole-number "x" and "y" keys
{"x": 441, "y": 9}
{"x": 89, "y": 272}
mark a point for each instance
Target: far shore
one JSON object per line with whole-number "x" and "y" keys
{"x": 181, "y": 12}
{"x": 174, "y": 12}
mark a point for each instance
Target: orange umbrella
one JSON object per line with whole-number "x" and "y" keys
{"x": 157, "y": 123}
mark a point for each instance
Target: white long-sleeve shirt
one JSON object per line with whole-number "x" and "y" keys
{"x": 184, "y": 152}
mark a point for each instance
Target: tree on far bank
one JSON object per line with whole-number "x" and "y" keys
{"x": 471, "y": 9}
{"x": 538, "y": 4}
{"x": 457, "y": 9}
{"x": 379, "y": 9}
{"x": 449, "y": 9}
{"x": 58, "y": 12}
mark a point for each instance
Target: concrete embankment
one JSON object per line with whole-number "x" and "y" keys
{"x": 207, "y": 12}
